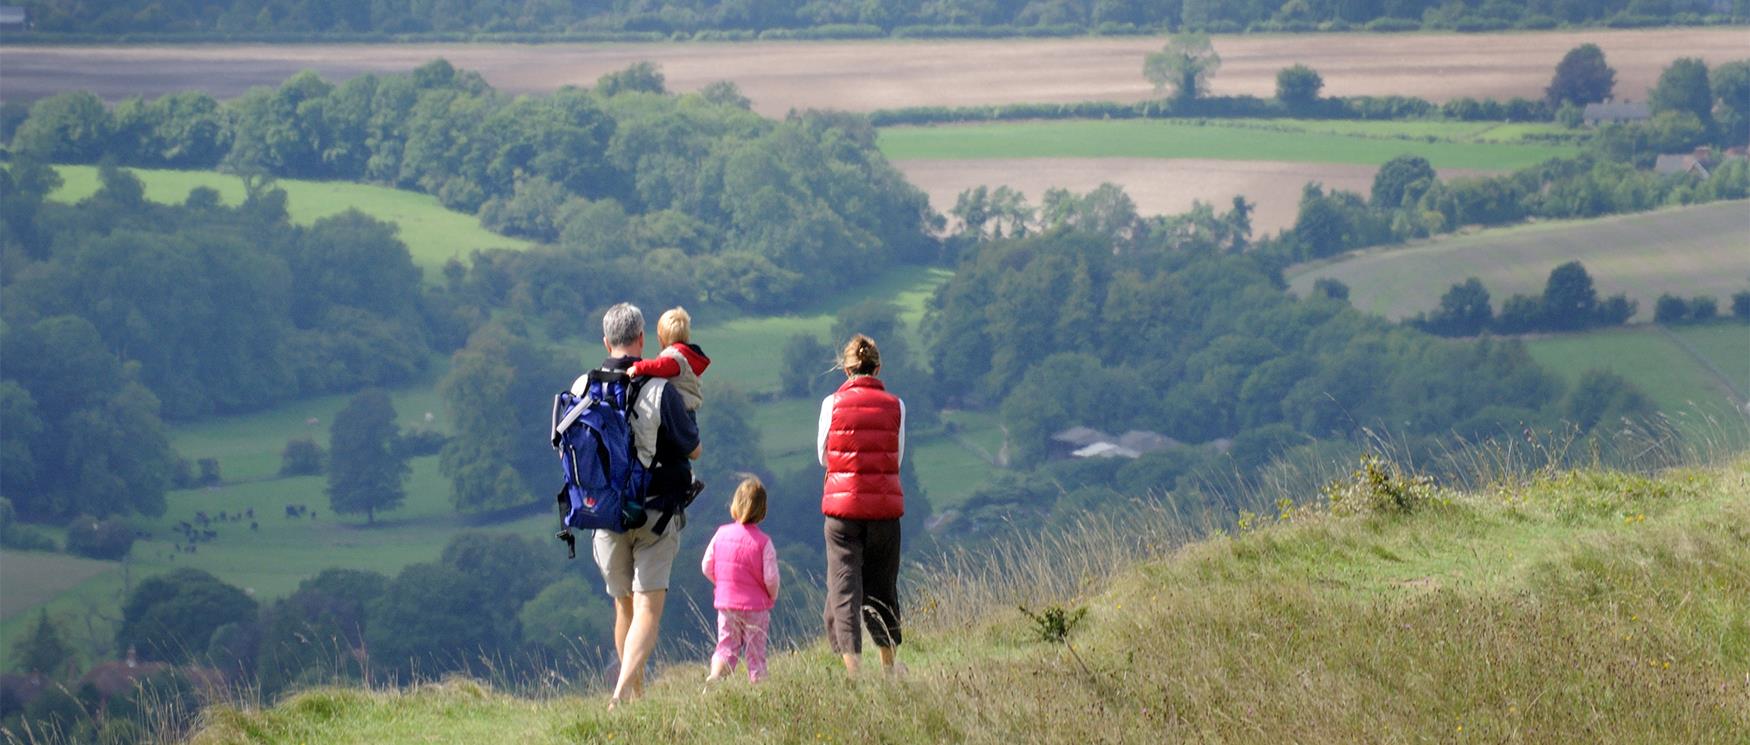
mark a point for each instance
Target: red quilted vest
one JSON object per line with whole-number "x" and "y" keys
{"x": 862, "y": 453}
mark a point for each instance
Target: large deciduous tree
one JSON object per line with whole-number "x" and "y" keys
{"x": 1402, "y": 180}
{"x": 495, "y": 458}
{"x": 365, "y": 473}
{"x": 1581, "y": 77}
{"x": 1569, "y": 299}
{"x": 1683, "y": 87}
{"x": 171, "y": 617}
{"x": 1183, "y": 66}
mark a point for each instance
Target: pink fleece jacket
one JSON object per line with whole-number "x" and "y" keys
{"x": 743, "y": 564}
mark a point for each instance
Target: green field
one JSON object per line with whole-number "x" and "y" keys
{"x": 1447, "y": 145}
{"x": 1681, "y": 384}
{"x": 1688, "y": 251}
{"x": 433, "y": 233}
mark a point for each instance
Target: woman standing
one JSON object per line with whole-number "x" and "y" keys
{"x": 861, "y": 443}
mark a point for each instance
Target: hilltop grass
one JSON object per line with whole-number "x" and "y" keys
{"x": 1569, "y": 606}
{"x": 1447, "y": 145}
{"x": 433, "y": 233}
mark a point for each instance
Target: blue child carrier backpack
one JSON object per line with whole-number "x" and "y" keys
{"x": 604, "y": 480}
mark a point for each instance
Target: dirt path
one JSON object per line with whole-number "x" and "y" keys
{"x": 865, "y": 75}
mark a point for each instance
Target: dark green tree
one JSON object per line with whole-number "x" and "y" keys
{"x": 490, "y": 460}
{"x": 1670, "y": 309}
{"x": 1731, "y": 87}
{"x": 1569, "y": 299}
{"x": 427, "y": 619}
{"x": 317, "y": 633}
{"x": 1741, "y": 305}
{"x": 1402, "y": 181}
{"x": 1464, "y": 310}
{"x": 807, "y": 366}
{"x": 1603, "y": 398}
{"x": 568, "y": 619}
{"x": 44, "y": 649}
{"x": 66, "y": 128}
{"x": 1683, "y": 87}
{"x": 1298, "y": 86}
{"x": 1320, "y": 226}
{"x": 365, "y": 474}
{"x": 301, "y": 457}
{"x": 1581, "y": 78}
{"x": 1331, "y": 288}
{"x": 171, "y": 617}
{"x": 1703, "y": 308}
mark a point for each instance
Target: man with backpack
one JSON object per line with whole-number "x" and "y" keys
{"x": 635, "y": 564}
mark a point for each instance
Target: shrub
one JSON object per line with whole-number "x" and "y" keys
{"x": 1741, "y": 305}
{"x": 1379, "y": 487}
{"x": 1392, "y": 25}
{"x": 14, "y": 534}
{"x": 415, "y": 443}
{"x": 109, "y": 539}
{"x": 302, "y": 457}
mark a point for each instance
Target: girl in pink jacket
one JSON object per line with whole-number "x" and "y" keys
{"x": 743, "y": 565}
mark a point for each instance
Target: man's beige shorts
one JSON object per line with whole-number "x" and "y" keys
{"x": 637, "y": 560}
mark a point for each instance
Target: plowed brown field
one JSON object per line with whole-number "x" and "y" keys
{"x": 866, "y": 75}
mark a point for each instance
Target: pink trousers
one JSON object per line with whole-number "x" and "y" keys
{"x": 743, "y": 632}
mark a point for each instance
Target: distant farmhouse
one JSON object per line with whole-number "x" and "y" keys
{"x": 12, "y": 18}
{"x": 1087, "y": 442}
{"x": 1614, "y": 112}
{"x": 1702, "y": 162}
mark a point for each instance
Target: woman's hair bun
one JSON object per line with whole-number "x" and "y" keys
{"x": 860, "y": 356}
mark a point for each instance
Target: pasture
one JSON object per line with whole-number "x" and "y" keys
{"x": 432, "y": 232}
{"x": 869, "y": 75}
{"x": 1445, "y": 145}
{"x": 1679, "y": 369}
{"x": 1687, "y": 251}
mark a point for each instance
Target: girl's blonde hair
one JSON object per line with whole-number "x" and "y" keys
{"x": 860, "y": 356}
{"x": 675, "y": 326}
{"x": 748, "y": 506}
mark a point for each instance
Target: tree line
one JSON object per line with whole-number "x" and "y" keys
{"x": 1692, "y": 106}
{"x": 855, "y": 18}
{"x": 724, "y": 206}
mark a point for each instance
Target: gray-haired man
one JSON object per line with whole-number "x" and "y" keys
{"x": 636, "y": 564}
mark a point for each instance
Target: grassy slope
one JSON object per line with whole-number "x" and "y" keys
{"x": 1677, "y": 382}
{"x": 1576, "y": 607}
{"x": 433, "y": 233}
{"x": 1688, "y": 251}
{"x": 1455, "y": 145}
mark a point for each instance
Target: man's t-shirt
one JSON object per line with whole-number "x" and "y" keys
{"x": 671, "y": 474}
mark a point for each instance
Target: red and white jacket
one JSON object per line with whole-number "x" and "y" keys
{"x": 861, "y": 444}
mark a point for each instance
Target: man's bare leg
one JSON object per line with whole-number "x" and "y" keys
{"x": 640, "y": 641}
{"x": 852, "y": 662}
